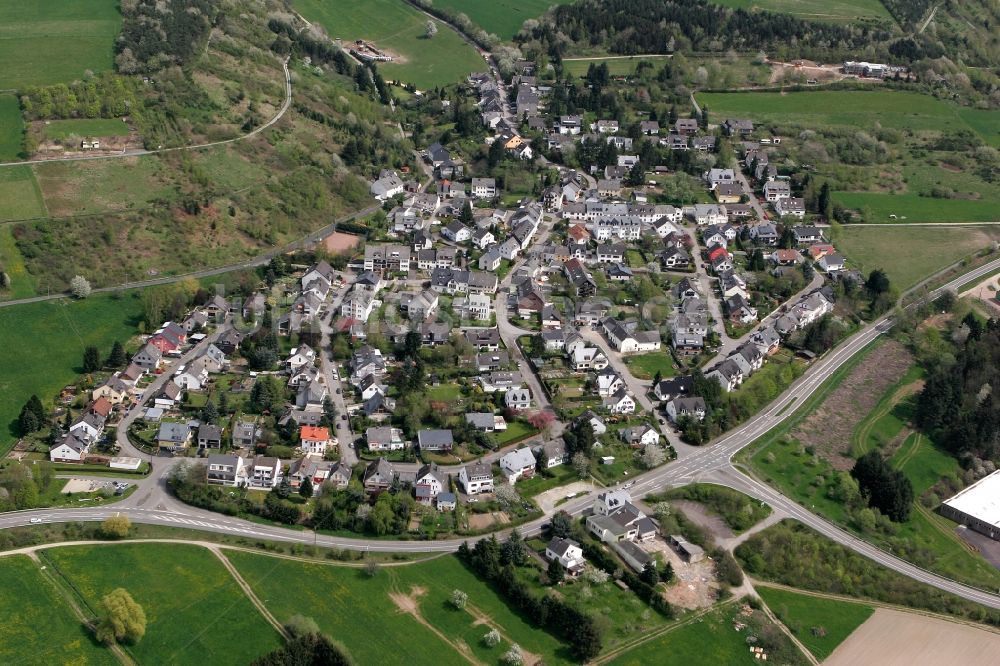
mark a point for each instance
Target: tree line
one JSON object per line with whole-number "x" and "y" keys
{"x": 578, "y": 629}
{"x": 157, "y": 34}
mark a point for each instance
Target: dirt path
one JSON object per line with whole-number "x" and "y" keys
{"x": 781, "y": 625}
{"x": 63, "y": 591}
{"x": 410, "y": 604}
{"x": 248, "y": 591}
{"x": 530, "y": 659}
{"x": 862, "y": 435}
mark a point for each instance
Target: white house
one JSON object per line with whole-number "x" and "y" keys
{"x": 476, "y": 478}
{"x": 518, "y": 464}
{"x": 518, "y": 399}
{"x": 567, "y": 552}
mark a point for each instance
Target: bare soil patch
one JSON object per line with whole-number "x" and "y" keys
{"x": 547, "y": 500}
{"x": 694, "y": 586}
{"x": 338, "y": 242}
{"x": 480, "y": 521}
{"x": 895, "y": 638}
{"x": 828, "y": 429}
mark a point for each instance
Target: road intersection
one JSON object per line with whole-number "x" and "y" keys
{"x": 152, "y": 503}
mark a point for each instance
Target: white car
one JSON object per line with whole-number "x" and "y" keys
{"x": 35, "y": 521}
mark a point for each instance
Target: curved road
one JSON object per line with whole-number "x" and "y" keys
{"x": 140, "y": 153}
{"x": 151, "y": 503}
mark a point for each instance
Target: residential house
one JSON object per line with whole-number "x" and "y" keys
{"x": 314, "y": 440}
{"x": 640, "y": 436}
{"x": 691, "y": 407}
{"x": 386, "y": 186}
{"x": 173, "y": 436}
{"x": 518, "y": 399}
{"x": 209, "y": 436}
{"x": 619, "y": 403}
{"x": 484, "y": 188}
{"x": 476, "y": 478}
{"x": 226, "y": 470}
{"x": 775, "y": 190}
{"x": 831, "y": 263}
{"x": 379, "y": 476}
{"x": 518, "y": 464}
{"x": 245, "y": 434}
{"x": 264, "y": 472}
{"x": 791, "y": 207}
{"x": 384, "y": 438}
{"x": 429, "y": 483}
{"x": 71, "y": 448}
{"x": 568, "y": 553}
{"x": 435, "y": 440}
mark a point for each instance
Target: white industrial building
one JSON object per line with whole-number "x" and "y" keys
{"x": 978, "y": 506}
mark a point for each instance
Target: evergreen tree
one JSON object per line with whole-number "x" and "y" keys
{"x": 209, "y": 413}
{"x": 306, "y": 489}
{"x": 117, "y": 358}
{"x": 91, "y": 360}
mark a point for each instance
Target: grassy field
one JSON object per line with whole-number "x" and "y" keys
{"x": 709, "y": 640}
{"x": 39, "y": 626}
{"x": 645, "y": 366}
{"x": 85, "y": 127}
{"x": 836, "y": 11}
{"x": 399, "y": 28}
{"x": 43, "y": 346}
{"x": 342, "y": 600}
{"x": 901, "y": 110}
{"x": 616, "y": 66}
{"x": 195, "y": 611}
{"x": 109, "y": 185}
{"x": 877, "y": 207}
{"x": 11, "y": 127}
{"x": 54, "y": 41}
{"x": 909, "y": 254}
{"x": 821, "y": 624}
{"x": 20, "y": 196}
{"x": 501, "y": 17}
{"x": 22, "y": 282}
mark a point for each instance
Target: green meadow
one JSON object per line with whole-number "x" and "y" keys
{"x": 503, "y": 18}
{"x": 398, "y": 27}
{"x": 55, "y": 41}
{"x": 821, "y": 624}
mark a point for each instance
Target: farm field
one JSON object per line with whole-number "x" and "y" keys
{"x": 63, "y": 329}
{"x": 55, "y": 41}
{"x": 909, "y": 254}
{"x": 11, "y": 128}
{"x": 194, "y": 608}
{"x": 402, "y": 606}
{"x": 399, "y": 28}
{"x": 821, "y": 624}
{"x": 39, "y": 625}
{"x": 20, "y": 196}
{"x": 897, "y": 637}
{"x": 837, "y": 11}
{"x": 85, "y": 127}
{"x": 900, "y": 110}
{"x": 500, "y": 17}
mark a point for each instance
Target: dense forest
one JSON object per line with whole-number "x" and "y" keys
{"x": 160, "y": 33}
{"x": 662, "y": 26}
{"x": 958, "y": 405}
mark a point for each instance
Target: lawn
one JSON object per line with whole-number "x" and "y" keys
{"x": 343, "y": 600}
{"x": 20, "y": 196}
{"x": 645, "y": 366}
{"x": 878, "y": 206}
{"x": 910, "y": 254}
{"x": 821, "y": 624}
{"x": 539, "y": 483}
{"x": 399, "y": 28}
{"x": 900, "y": 110}
{"x": 85, "y": 127}
{"x": 616, "y": 66}
{"x": 56, "y": 41}
{"x": 43, "y": 346}
{"x": 11, "y": 127}
{"x": 834, "y": 11}
{"x": 500, "y": 17}
{"x": 708, "y": 640}
{"x": 516, "y": 431}
{"x": 39, "y": 626}
{"x": 195, "y": 611}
